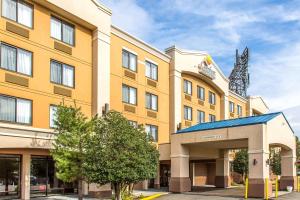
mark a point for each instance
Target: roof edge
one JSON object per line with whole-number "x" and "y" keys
{"x": 121, "y": 33}
{"x": 275, "y": 114}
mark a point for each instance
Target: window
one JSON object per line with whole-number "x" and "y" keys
{"x": 187, "y": 113}
{"x": 151, "y": 101}
{"x": 201, "y": 116}
{"x": 152, "y": 131}
{"x": 52, "y": 116}
{"x": 212, "y": 118}
{"x": 239, "y": 110}
{"x": 212, "y": 98}
{"x": 187, "y": 87}
{"x": 133, "y": 123}
{"x": 129, "y": 94}
{"x": 62, "y": 74}
{"x": 16, "y": 59}
{"x": 62, "y": 31}
{"x": 129, "y": 60}
{"x": 18, "y": 11}
{"x": 151, "y": 70}
{"x": 15, "y": 110}
{"x": 231, "y": 107}
{"x": 201, "y": 93}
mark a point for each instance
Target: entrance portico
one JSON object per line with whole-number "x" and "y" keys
{"x": 213, "y": 140}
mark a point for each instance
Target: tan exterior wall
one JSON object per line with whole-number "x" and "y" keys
{"x": 140, "y": 83}
{"x": 207, "y": 108}
{"x": 237, "y": 100}
{"x": 40, "y": 89}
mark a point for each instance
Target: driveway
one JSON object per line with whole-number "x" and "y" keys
{"x": 199, "y": 196}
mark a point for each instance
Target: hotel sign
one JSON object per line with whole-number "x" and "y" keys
{"x": 212, "y": 137}
{"x": 206, "y": 71}
{"x": 205, "y": 68}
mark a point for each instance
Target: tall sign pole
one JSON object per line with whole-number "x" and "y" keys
{"x": 239, "y": 77}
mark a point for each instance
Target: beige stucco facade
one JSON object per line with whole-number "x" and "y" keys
{"x": 215, "y": 143}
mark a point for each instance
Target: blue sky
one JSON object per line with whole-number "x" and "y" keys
{"x": 271, "y": 30}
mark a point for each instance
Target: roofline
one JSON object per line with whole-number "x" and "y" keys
{"x": 237, "y": 95}
{"x": 256, "y": 123}
{"x": 185, "y": 51}
{"x": 202, "y": 53}
{"x": 275, "y": 113}
{"x": 123, "y": 34}
{"x": 288, "y": 122}
{"x": 102, "y": 7}
{"x": 255, "y": 97}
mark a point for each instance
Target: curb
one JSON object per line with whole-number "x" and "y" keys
{"x": 153, "y": 196}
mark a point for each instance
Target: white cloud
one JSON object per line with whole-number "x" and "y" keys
{"x": 219, "y": 27}
{"x": 128, "y": 15}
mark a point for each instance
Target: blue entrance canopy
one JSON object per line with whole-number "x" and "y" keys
{"x": 252, "y": 120}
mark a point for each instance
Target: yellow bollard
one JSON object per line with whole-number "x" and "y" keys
{"x": 267, "y": 189}
{"x": 276, "y": 187}
{"x": 246, "y": 188}
{"x": 298, "y": 189}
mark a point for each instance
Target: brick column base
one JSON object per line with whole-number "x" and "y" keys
{"x": 180, "y": 184}
{"x": 257, "y": 188}
{"x": 288, "y": 181}
{"x": 156, "y": 185}
{"x": 222, "y": 181}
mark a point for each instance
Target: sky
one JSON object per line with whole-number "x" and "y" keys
{"x": 270, "y": 29}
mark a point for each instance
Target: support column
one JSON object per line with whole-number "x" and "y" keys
{"x": 258, "y": 172}
{"x": 157, "y": 178}
{"x": 25, "y": 178}
{"x": 85, "y": 187}
{"x": 288, "y": 169}
{"x": 180, "y": 180}
{"x": 222, "y": 179}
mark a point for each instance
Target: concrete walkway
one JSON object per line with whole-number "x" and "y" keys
{"x": 193, "y": 196}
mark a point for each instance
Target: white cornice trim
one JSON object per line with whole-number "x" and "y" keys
{"x": 258, "y": 97}
{"x": 26, "y": 136}
{"x": 139, "y": 43}
{"x": 179, "y": 156}
{"x": 238, "y": 96}
{"x": 25, "y": 128}
{"x": 101, "y": 7}
{"x": 199, "y": 53}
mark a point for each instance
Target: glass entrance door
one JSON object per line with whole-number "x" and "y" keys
{"x": 43, "y": 180}
{"x": 38, "y": 176}
{"x": 10, "y": 166}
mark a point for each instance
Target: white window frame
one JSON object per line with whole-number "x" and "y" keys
{"x": 188, "y": 113}
{"x": 212, "y": 98}
{"x": 62, "y": 66}
{"x": 151, "y": 66}
{"x": 201, "y": 116}
{"x": 62, "y": 23}
{"x": 17, "y": 49}
{"x": 129, "y": 97}
{"x": 200, "y": 95}
{"x": 52, "y": 118}
{"x": 16, "y": 99}
{"x": 150, "y": 133}
{"x": 212, "y": 118}
{"x": 17, "y": 20}
{"x": 133, "y": 123}
{"x": 152, "y": 97}
{"x": 187, "y": 87}
{"x": 231, "y": 107}
{"x": 128, "y": 65}
{"x": 239, "y": 110}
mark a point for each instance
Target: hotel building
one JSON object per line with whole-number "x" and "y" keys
{"x": 54, "y": 52}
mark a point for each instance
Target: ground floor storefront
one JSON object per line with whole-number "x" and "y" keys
{"x": 30, "y": 173}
